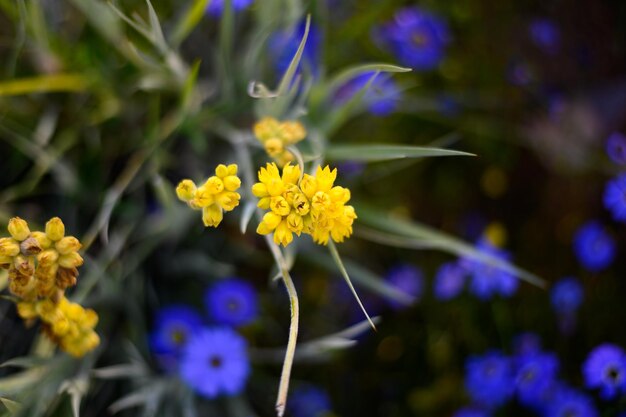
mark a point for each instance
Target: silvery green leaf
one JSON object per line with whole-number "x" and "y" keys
{"x": 373, "y": 152}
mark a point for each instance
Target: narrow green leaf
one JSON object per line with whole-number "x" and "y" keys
{"x": 337, "y": 259}
{"x": 101, "y": 18}
{"x": 155, "y": 26}
{"x": 372, "y": 152}
{"x": 188, "y": 88}
{"x": 44, "y": 84}
{"x": 192, "y": 17}
{"x": 422, "y": 234}
{"x": 24, "y": 362}
{"x": 287, "y": 78}
{"x": 342, "y": 113}
{"x": 16, "y": 383}
{"x": 246, "y": 215}
{"x": 12, "y": 406}
{"x": 352, "y": 72}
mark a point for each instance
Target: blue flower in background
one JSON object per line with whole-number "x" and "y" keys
{"x": 416, "y": 37}
{"x": 535, "y": 376}
{"x": 408, "y": 279}
{"x": 526, "y": 343}
{"x": 471, "y": 412}
{"x": 309, "y": 401}
{"x": 615, "y": 197}
{"x": 173, "y": 325}
{"x": 488, "y": 280}
{"x": 594, "y": 247}
{"x": 568, "y": 402}
{"x": 489, "y": 379}
{"x": 216, "y": 7}
{"x": 545, "y": 34}
{"x": 381, "y": 97}
{"x": 605, "y": 368}
{"x": 215, "y": 362}
{"x": 284, "y": 44}
{"x": 616, "y": 148}
{"x": 449, "y": 281}
{"x": 567, "y": 295}
{"x": 232, "y": 302}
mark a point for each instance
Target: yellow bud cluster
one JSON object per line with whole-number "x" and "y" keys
{"x": 216, "y": 195}
{"x": 276, "y": 136}
{"x": 311, "y": 205}
{"x": 41, "y": 266}
{"x": 67, "y": 324}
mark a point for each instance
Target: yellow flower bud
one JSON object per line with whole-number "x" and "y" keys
{"x": 301, "y": 204}
{"x": 308, "y": 185}
{"x": 26, "y": 310}
{"x": 232, "y": 182}
{"x": 18, "y": 228}
{"x": 228, "y": 200}
{"x": 61, "y": 326}
{"x": 212, "y": 216}
{"x": 273, "y": 147}
{"x": 5, "y": 261}
{"x": 259, "y": 190}
{"x": 67, "y": 244}
{"x": 9, "y": 247}
{"x": 232, "y": 169}
{"x": 266, "y": 128}
{"x": 325, "y": 178}
{"x": 55, "y": 229}
{"x": 214, "y": 185}
{"x": 320, "y": 201}
{"x": 293, "y": 131}
{"x": 221, "y": 171}
{"x": 275, "y": 187}
{"x": 43, "y": 240}
{"x": 47, "y": 310}
{"x": 295, "y": 223}
{"x": 47, "y": 257}
{"x": 89, "y": 319}
{"x": 264, "y": 203}
{"x": 279, "y": 206}
{"x": 71, "y": 260}
{"x": 282, "y": 234}
{"x": 185, "y": 190}
{"x": 24, "y": 265}
{"x": 339, "y": 194}
{"x": 262, "y": 229}
{"x": 291, "y": 174}
{"x": 202, "y": 198}
{"x": 271, "y": 220}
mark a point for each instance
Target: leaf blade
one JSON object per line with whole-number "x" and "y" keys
{"x": 375, "y": 152}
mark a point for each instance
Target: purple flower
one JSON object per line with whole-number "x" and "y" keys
{"x": 449, "y": 281}
{"x": 594, "y": 247}
{"x": 173, "y": 325}
{"x": 568, "y": 402}
{"x": 215, "y": 362}
{"x": 216, "y": 7}
{"x": 488, "y": 280}
{"x": 616, "y": 148}
{"x": 408, "y": 279}
{"x": 615, "y": 197}
{"x": 416, "y": 37}
{"x": 567, "y": 295}
{"x": 309, "y": 401}
{"x": 545, "y": 34}
{"x": 284, "y": 44}
{"x": 381, "y": 98}
{"x": 605, "y": 368}
{"x": 471, "y": 412}
{"x": 535, "y": 376}
{"x": 489, "y": 379}
{"x": 526, "y": 343}
{"x": 231, "y": 302}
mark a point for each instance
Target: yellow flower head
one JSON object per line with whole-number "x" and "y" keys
{"x": 310, "y": 204}
{"x": 275, "y": 136}
{"x": 216, "y": 195}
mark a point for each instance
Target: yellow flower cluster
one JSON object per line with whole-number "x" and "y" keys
{"x": 311, "y": 205}
{"x": 42, "y": 265}
{"x": 276, "y": 136}
{"x": 67, "y": 324}
{"x": 216, "y": 195}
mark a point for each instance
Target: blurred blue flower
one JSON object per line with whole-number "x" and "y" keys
{"x": 284, "y": 44}
{"x": 567, "y": 295}
{"x": 545, "y": 34}
{"x": 535, "y": 376}
{"x": 526, "y": 343}
{"x": 215, "y": 362}
{"x": 594, "y": 247}
{"x": 408, "y": 279}
{"x": 173, "y": 325}
{"x": 615, "y": 197}
{"x": 471, "y": 412}
{"x": 519, "y": 73}
{"x": 416, "y": 37}
{"x": 381, "y": 97}
{"x": 231, "y": 302}
{"x": 488, "y": 280}
{"x": 216, "y": 7}
{"x": 449, "y": 281}
{"x": 489, "y": 379}
{"x": 616, "y": 148}
{"x": 568, "y": 402}
{"x": 605, "y": 368}
{"x": 309, "y": 401}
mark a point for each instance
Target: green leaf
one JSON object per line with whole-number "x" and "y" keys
{"x": 342, "y": 113}
{"x": 155, "y": 26}
{"x": 287, "y": 78}
{"x": 372, "y": 152}
{"x": 337, "y": 259}
{"x": 101, "y": 18}
{"x": 246, "y": 215}
{"x": 187, "y": 24}
{"x": 421, "y": 234}
{"x": 44, "y": 84}
{"x": 12, "y": 406}
{"x": 352, "y": 72}
{"x": 17, "y": 383}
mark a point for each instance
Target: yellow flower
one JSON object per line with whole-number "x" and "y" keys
{"x": 216, "y": 195}
{"x": 275, "y": 136}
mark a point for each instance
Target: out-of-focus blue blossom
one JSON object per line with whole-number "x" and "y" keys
{"x": 489, "y": 379}
{"x": 416, "y": 37}
{"x": 216, "y": 7}
{"x": 567, "y": 295}
{"x": 408, "y": 279}
{"x": 284, "y": 44}
{"x": 351, "y": 169}
{"x": 471, "y": 412}
{"x": 309, "y": 401}
{"x": 616, "y": 148}
{"x": 232, "y": 302}
{"x": 381, "y": 98}
{"x": 615, "y": 197}
{"x": 535, "y": 376}
{"x": 526, "y": 343}
{"x": 568, "y": 402}
{"x": 605, "y": 368}
{"x": 488, "y": 280}
{"x": 519, "y": 73}
{"x": 449, "y": 281}
{"x": 448, "y": 106}
{"x": 594, "y": 247}
{"x": 545, "y": 34}
{"x": 215, "y": 362}
{"x": 173, "y": 325}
